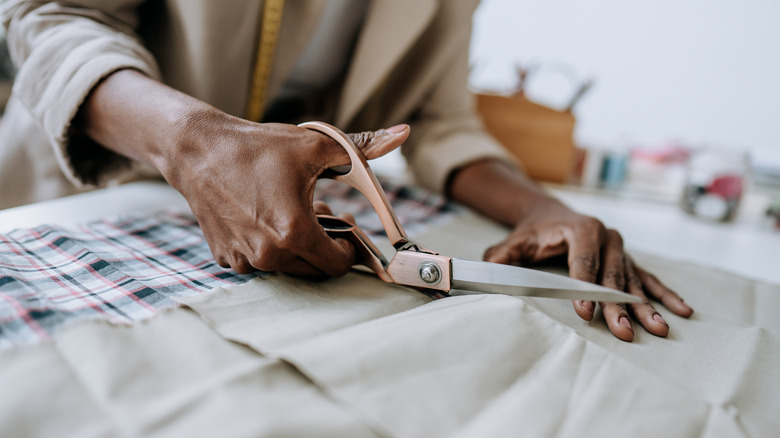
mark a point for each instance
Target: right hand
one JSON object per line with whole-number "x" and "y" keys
{"x": 251, "y": 187}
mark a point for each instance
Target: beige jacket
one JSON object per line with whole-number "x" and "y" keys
{"x": 409, "y": 66}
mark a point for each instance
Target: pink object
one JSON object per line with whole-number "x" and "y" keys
{"x": 671, "y": 153}
{"x": 727, "y": 186}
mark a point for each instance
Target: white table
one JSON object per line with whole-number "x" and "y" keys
{"x": 746, "y": 247}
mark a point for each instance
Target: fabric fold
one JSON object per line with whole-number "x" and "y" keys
{"x": 279, "y": 310}
{"x": 498, "y": 365}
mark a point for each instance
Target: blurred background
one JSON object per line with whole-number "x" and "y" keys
{"x": 698, "y": 71}
{"x": 672, "y": 94}
{"x": 6, "y": 71}
{"x": 668, "y": 101}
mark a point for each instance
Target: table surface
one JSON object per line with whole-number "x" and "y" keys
{"x": 747, "y": 246}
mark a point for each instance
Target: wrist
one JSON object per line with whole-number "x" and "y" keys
{"x": 184, "y": 141}
{"x": 499, "y": 191}
{"x": 197, "y": 139}
{"x": 145, "y": 120}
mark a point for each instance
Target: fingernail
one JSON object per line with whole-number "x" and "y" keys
{"x": 657, "y": 318}
{"x": 625, "y": 322}
{"x": 397, "y": 129}
{"x": 684, "y": 304}
{"x": 587, "y": 306}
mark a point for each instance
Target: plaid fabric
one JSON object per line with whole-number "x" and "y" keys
{"x": 127, "y": 268}
{"x": 416, "y": 208}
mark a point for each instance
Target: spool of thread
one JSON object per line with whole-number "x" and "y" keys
{"x": 614, "y": 169}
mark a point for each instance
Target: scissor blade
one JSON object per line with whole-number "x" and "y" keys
{"x": 493, "y": 278}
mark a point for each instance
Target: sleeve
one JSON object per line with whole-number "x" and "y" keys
{"x": 62, "y": 50}
{"x": 447, "y": 134}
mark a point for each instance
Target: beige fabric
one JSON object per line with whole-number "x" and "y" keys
{"x": 409, "y": 65}
{"x": 292, "y": 310}
{"x": 168, "y": 377}
{"x": 358, "y": 357}
{"x": 504, "y": 366}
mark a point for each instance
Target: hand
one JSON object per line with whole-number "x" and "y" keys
{"x": 251, "y": 187}
{"x": 544, "y": 228}
{"x": 595, "y": 254}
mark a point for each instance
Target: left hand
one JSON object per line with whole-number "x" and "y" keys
{"x": 595, "y": 254}
{"x": 542, "y": 227}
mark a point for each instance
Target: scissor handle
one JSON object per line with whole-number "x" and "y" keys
{"x": 411, "y": 268}
{"x": 366, "y": 253}
{"x": 361, "y": 177}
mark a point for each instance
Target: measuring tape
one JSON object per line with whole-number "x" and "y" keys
{"x": 266, "y": 50}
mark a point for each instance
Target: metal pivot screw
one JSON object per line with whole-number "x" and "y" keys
{"x": 429, "y": 272}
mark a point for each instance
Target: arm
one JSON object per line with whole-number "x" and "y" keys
{"x": 62, "y": 51}
{"x": 91, "y": 85}
{"x": 250, "y": 185}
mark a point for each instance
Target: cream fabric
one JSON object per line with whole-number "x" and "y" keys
{"x": 409, "y": 65}
{"x": 167, "y": 377}
{"x": 503, "y": 366}
{"x": 358, "y": 357}
{"x": 292, "y": 310}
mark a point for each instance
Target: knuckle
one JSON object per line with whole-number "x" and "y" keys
{"x": 362, "y": 139}
{"x": 239, "y": 263}
{"x": 264, "y": 258}
{"x": 615, "y": 236}
{"x": 634, "y": 281}
{"x": 593, "y": 224}
{"x": 242, "y": 266}
{"x": 289, "y": 236}
{"x": 589, "y": 262}
{"x": 222, "y": 261}
{"x": 615, "y": 277}
{"x": 263, "y": 262}
{"x": 286, "y": 240}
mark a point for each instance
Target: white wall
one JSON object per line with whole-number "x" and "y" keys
{"x": 704, "y": 72}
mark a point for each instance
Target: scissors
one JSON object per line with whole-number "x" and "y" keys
{"x": 417, "y": 266}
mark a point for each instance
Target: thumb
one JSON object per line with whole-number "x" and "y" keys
{"x": 374, "y": 144}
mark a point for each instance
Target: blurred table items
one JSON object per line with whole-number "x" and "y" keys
{"x": 601, "y": 168}
{"x": 644, "y": 172}
{"x": 714, "y": 183}
{"x": 659, "y": 170}
{"x": 765, "y": 168}
{"x": 773, "y": 212}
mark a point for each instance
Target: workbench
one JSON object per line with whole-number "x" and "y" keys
{"x": 280, "y": 356}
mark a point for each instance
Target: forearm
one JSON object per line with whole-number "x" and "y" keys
{"x": 145, "y": 120}
{"x": 497, "y": 190}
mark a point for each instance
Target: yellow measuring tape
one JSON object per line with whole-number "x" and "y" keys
{"x": 266, "y": 50}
